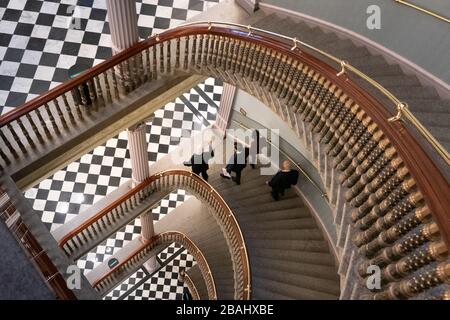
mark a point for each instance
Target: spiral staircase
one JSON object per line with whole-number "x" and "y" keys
{"x": 385, "y": 175}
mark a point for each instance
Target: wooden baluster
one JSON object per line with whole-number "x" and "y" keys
{"x": 123, "y": 77}
{"x": 206, "y": 50}
{"x": 435, "y": 251}
{"x": 100, "y": 99}
{"x": 136, "y": 69}
{"x": 177, "y": 54}
{"x": 148, "y": 68}
{"x": 92, "y": 94}
{"x": 389, "y": 254}
{"x": 26, "y": 134}
{"x": 142, "y": 74}
{"x": 194, "y": 51}
{"x": 8, "y": 145}
{"x": 60, "y": 114}
{"x": 200, "y": 51}
{"x": 216, "y": 52}
{"x": 161, "y": 58}
{"x": 186, "y": 53}
{"x": 16, "y": 138}
{"x": 52, "y": 119}
{"x": 34, "y": 128}
{"x": 115, "y": 86}
{"x": 379, "y": 235}
{"x": 68, "y": 109}
{"x": 108, "y": 88}
{"x": 131, "y": 73}
{"x": 169, "y": 56}
{"x": 43, "y": 124}
{"x": 155, "y": 66}
{"x": 411, "y": 287}
{"x": 367, "y": 185}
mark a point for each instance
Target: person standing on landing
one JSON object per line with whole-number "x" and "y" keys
{"x": 284, "y": 179}
{"x": 199, "y": 162}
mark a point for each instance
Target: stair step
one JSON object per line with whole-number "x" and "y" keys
{"x": 295, "y": 244}
{"x": 275, "y": 215}
{"x": 305, "y": 234}
{"x": 311, "y": 270}
{"x": 394, "y": 80}
{"x": 317, "y": 258}
{"x": 275, "y": 205}
{"x": 294, "y": 292}
{"x": 290, "y": 224}
{"x": 438, "y": 119}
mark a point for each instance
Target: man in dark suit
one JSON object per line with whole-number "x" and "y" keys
{"x": 199, "y": 162}
{"x": 237, "y": 163}
{"x": 284, "y": 179}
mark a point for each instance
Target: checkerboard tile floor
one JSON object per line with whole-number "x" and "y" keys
{"x": 40, "y": 40}
{"x": 71, "y": 190}
{"x": 163, "y": 285}
{"x": 117, "y": 241}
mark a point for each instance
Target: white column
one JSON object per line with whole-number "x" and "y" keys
{"x": 226, "y": 106}
{"x": 123, "y": 23}
{"x": 138, "y": 147}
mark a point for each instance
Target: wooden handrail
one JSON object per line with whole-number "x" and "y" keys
{"x": 39, "y": 257}
{"x": 180, "y": 238}
{"x": 106, "y": 210}
{"x": 231, "y": 219}
{"x": 428, "y": 178}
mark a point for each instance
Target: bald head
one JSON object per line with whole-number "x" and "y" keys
{"x": 286, "y": 165}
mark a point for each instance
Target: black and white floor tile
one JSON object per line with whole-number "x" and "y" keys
{"x": 118, "y": 240}
{"x": 40, "y": 40}
{"x": 69, "y": 191}
{"x": 164, "y": 284}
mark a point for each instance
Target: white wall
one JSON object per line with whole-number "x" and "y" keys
{"x": 259, "y": 112}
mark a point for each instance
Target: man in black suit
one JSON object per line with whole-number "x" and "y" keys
{"x": 284, "y": 179}
{"x": 199, "y": 162}
{"x": 237, "y": 163}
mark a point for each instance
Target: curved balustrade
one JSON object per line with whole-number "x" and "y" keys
{"x": 50, "y": 273}
{"x": 138, "y": 257}
{"x": 390, "y": 183}
{"x": 191, "y": 286}
{"x": 168, "y": 181}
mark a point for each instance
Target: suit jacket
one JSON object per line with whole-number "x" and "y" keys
{"x": 199, "y": 162}
{"x": 284, "y": 180}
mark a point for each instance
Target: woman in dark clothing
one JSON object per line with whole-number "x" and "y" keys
{"x": 284, "y": 179}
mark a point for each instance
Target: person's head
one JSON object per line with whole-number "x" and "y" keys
{"x": 286, "y": 165}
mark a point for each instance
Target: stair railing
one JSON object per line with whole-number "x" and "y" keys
{"x": 168, "y": 181}
{"x": 140, "y": 255}
{"x": 43, "y": 120}
{"x": 53, "y": 278}
{"x": 191, "y": 286}
{"x": 393, "y": 184}
{"x": 423, "y": 10}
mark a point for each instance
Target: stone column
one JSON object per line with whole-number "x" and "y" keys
{"x": 138, "y": 147}
{"x": 226, "y": 106}
{"x": 123, "y": 23}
